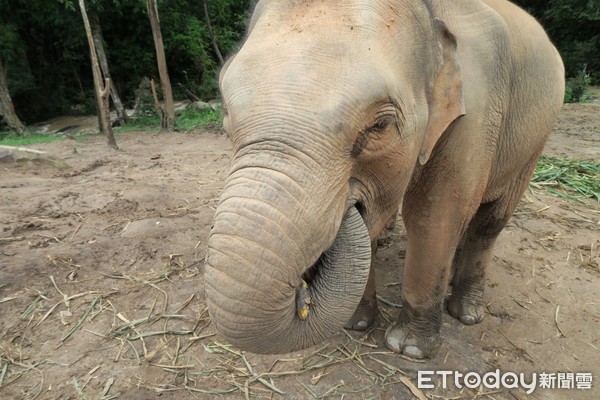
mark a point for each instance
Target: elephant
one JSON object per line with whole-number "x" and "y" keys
{"x": 345, "y": 114}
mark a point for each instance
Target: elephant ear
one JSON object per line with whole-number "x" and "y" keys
{"x": 445, "y": 101}
{"x": 226, "y": 120}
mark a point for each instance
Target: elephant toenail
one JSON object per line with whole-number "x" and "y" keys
{"x": 361, "y": 324}
{"x": 393, "y": 344}
{"x": 412, "y": 351}
{"x": 468, "y": 319}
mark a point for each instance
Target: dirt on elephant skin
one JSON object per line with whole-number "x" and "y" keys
{"x": 102, "y": 295}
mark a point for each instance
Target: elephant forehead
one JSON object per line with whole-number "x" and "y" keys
{"x": 322, "y": 78}
{"x": 298, "y": 15}
{"x": 326, "y": 30}
{"x": 311, "y": 53}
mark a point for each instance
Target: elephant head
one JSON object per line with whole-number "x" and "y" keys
{"x": 330, "y": 107}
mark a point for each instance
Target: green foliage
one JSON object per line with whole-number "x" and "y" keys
{"x": 9, "y": 42}
{"x": 10, "y": 138}
{"x": 189, "y": 120}
{"x": 49, "y": 73}
{"x": 575, "y": 90}
{"x": 189, "y": 46}
{"x": 566, "y": 178}
{"x": 573, "y": 27}
{"x": 188, "y": 41}
{"x": 47, "y": 57}
{"x": 144, "y": 122}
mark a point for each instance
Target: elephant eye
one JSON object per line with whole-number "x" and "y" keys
{"x": 381, "y": 124}
{"x": 373, "y": 132}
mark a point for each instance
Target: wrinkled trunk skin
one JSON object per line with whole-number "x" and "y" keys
{"x": 266, "y": 234}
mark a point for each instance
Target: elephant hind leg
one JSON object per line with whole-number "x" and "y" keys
{"x": 475, "y": 251}
{"x": 472, "y": 257}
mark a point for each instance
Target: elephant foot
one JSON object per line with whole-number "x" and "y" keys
{"x": 364, "y": 315}
{"x": 466, "y": 305}
{"x": 414, "y": 337}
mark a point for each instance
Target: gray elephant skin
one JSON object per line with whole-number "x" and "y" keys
{"x": 341, "y": 113}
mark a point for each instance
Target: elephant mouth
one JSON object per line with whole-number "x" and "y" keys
{"x": 343, "y": 267}
{"x": 311, "y": 272}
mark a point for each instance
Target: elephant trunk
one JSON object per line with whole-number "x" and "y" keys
{"x": 264, "y": 239}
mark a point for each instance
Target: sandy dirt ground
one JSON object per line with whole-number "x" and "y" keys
{"x": 102, "y": 291}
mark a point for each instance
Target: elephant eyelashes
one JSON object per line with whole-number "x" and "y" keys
{"x": 380, "y": 125}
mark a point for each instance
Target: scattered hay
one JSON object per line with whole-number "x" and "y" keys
{"x": 236, "y": 371}
{"x": 41, "y": 296}
{"x": 589, "y": 258}
{"x": 23, "y": 369}
{"x": 169, "y": 336}
{"x": 568, "y": 179}
{"x": 81, "y": 320}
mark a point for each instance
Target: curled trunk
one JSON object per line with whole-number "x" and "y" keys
{"x": 263, "y": 242}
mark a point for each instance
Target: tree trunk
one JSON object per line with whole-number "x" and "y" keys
{"x": 161, "y": 113}
{"x": 99, "y": 43}
{"x": 169, "y": 108}
{"x": 212, "y": 35}
{"x": 102, "y": 89}
{"x": 7, "y": 109}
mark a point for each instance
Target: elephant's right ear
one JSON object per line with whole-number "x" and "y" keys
{"x": 445, "y": 101}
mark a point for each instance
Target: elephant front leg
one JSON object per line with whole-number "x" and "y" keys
{"x": 431, "y": 247}
{"x": 417, "y": 329}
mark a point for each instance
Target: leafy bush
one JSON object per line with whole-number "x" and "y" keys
{"x": 143, "y": 122}
{"x": 576, "y": 87}
{"x": 188, "y": 120}
{"x": 197, "y": 119}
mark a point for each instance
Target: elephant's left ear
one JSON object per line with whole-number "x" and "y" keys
{"x": 446, "y": 101}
